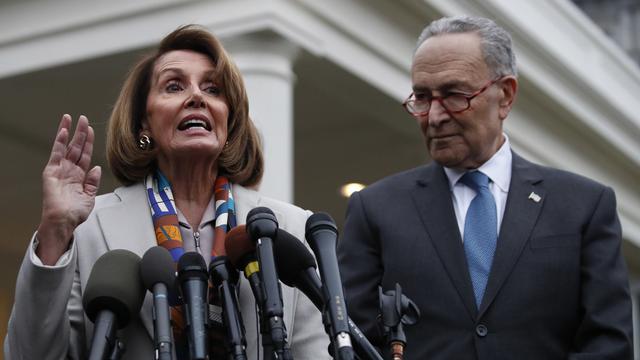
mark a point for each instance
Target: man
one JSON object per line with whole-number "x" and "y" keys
{"x": 505, "y": 259}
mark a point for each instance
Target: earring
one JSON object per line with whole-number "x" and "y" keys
{"x": 144, "y": 142}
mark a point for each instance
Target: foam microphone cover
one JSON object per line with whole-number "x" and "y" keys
{"x": 157, "y": 266}
{"x": 240, "y": 249}
{"x": 297, "y": 267}
{"x": 292, "y": 258}
{"x": 114, "y": 284}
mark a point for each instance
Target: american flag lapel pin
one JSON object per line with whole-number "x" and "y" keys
{"x": 535, "y": 197}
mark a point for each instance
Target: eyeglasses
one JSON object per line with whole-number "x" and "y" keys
{"x": 453, "y": 103}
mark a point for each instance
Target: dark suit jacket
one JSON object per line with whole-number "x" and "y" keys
{"x": 558, "y": 287}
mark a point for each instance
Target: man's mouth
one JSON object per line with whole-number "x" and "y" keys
{"x": 442, "y": 137}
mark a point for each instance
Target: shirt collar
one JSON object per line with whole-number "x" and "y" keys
{"x": 208, "y": 216}
{"x": 497, "y": 168}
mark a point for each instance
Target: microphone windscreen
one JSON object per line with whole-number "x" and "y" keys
{"x": 292, "y": 257}
{"x": 239, "y": 247}
{"x": 114, "y": 284}
{"x": 157, "y": 266}
{"x": 320, "y": 220}
{"x": 191, "y": 265}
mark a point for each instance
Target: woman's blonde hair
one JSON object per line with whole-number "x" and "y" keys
{"x": 241, "y": 160}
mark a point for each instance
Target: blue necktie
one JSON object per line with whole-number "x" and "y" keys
{"x": 480, "y": 234}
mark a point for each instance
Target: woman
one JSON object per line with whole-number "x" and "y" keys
{"x": 180, "y": 128}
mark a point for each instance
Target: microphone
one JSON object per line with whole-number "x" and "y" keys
{"x": 157, "y": 270}
{"x": 262, "y": 226}
{"x": 225, "y": 278}
{"x": 241, "y": 252}
{"x": 297, "y": 268}
{"x": 322, "y": 234}
{"x": 193, "y": 278}
{"x": 113, "y": 295}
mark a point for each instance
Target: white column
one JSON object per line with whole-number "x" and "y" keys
{"x": 266, "y": 62}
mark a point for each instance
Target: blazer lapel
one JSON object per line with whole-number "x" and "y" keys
{"x": 520, "y": 216}
{"x": 128, "y": 225}
{"x": 246, "y": 200}
{"x": 432, "y": 198}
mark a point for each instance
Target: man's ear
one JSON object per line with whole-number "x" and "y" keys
{"x": 508, "y": 90}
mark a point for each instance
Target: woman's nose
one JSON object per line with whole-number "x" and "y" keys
{"x": 195, "y": 99}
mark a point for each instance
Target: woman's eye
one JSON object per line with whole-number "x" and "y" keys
{"x": 213, "y": 89}
{"x": 173, "y": 87}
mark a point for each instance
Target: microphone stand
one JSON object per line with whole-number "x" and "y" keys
{"x": 225, "y": 279}
{"x": 262, "y": 225}
{"x": 269, "y": 351}
{"x": 105, "y": 328}
{"x": 396, "y": 310}
{"x": 265, "y": 335}
{"x": 118, "y": 350}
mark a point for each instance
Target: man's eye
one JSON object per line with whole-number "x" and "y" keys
{"x": 422, "y": 97}
{"x": 454, "y": 94}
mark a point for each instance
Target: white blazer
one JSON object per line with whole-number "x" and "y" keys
{"x": 48, "y": 322}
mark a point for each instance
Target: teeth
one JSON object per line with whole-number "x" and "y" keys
{"x": 193, "y": 123}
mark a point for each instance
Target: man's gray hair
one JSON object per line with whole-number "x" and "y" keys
{"x": 495, "y": 41}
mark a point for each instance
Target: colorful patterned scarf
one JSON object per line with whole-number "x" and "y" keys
{"x": 165, "y": 222}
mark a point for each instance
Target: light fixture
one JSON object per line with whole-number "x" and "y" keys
{"x": 347, "y": 189}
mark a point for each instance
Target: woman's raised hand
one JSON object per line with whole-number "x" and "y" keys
{"x": 69, "y": 188}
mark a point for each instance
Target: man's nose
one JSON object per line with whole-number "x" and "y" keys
{"x": 437, "y": 112}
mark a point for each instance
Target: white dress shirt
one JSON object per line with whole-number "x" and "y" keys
{"x": 498, "y": 169}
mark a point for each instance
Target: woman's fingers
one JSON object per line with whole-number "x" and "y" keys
{"x": 59, "y": 148}
{"x": 92, "y": 182}
{"x": 87, "y": 150}
{"x": 65, "y": 122}
{"x": 77, "y": 143}
{"x": 79, "y": 149}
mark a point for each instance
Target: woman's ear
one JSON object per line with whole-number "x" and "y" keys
{"x": 508, "y": 90}
{"x": 144, "y": 127}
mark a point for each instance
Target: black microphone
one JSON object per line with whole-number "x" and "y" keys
{"x": 322, "y": 234}
{"x": 225, "y": 278}
{"x": 113, "y": 295}
{"x": 262, "y": 225}
{"x": 297, "y": 268}
{"x": 157, "y": 270}
{"x": 241, "y": 252}
{"x": 193, "y": 278}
